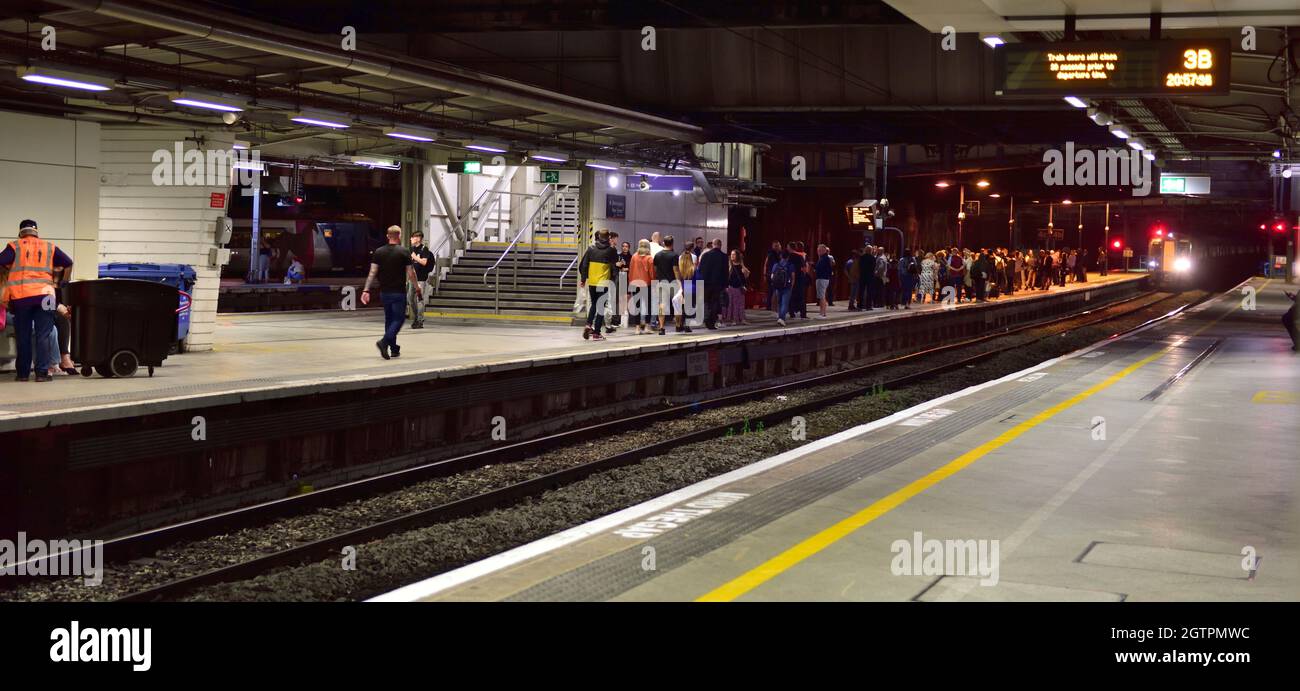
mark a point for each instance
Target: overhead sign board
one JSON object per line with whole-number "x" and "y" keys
{"x": 465, "y": 167}
{"x": 550, "y": 176}
{"x": 1184, "y": 184}
{"x": 1112, "y": 68}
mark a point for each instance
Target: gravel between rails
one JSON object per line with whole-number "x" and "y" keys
{"x": 406, "y": 557}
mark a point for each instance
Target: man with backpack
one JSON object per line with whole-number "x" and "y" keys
{"x": 957, "y": 273}
{"x": 780, "y": 280}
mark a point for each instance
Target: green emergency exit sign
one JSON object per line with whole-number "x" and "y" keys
{"x": 1173, "y": 185}
{"x": 551, "y": 176}
{"x": 465, "y": 167}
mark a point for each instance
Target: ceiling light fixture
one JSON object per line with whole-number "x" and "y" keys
{"x": 491, "y": 146}
{"x": 317, "y": 118}
{"x": 413, "y": 134}
{"x": 550, "y": 156}
{"x": 221, "y": 103}
{"x": 1076, "y": 101}
{"x": 69, "y": 80}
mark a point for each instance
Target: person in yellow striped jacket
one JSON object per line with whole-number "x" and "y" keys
{"x": 596, "y": 273}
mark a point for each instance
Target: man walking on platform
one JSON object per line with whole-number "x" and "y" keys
{"x": 392, "y": 265}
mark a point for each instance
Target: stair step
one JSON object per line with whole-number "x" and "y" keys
{"x": 488, "y": 315}
{"x": 548, "y": 294}
{"x": 479, "y": 303}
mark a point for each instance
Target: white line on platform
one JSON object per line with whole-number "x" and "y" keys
{"x": 436, "y": 584}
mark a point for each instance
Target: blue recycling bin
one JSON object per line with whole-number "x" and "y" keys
{"x": 179, "y": 276}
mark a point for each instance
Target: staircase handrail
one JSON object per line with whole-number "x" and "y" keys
{"x": 548, "y": 193}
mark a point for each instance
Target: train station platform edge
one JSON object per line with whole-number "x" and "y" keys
{"x": 1193, "y": 477}
{"x": 263, "y": 356}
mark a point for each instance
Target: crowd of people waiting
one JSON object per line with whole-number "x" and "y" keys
{"x": 659, "y": 281}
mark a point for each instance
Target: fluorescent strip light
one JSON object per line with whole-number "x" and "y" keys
{"x": 649, "y": 173}
{"x": 249, "y": 165}
{"x": 1136, "y": 144}
{"x": 239, "y": 145}
{"x": 318, "y": 119}
{"x": 1148, "y": 156}
{"x": 410, "y": 134}
{"x": 1119, "y": 131}
{"x": 64, "y": 79}
{"x": 992, "y": 41}
{"x": 488, "y": 145}
{"x": 603, "y": 165}
{"x": 550, "y": 156}
{"x": 1076, "y": 101}
{"x": 206, "y": 102}
{"x": 368, "y": 162}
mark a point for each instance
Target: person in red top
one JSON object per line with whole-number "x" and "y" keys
{"x": 29, "y": 265}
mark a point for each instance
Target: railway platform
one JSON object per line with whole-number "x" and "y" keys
{"x": 286, "y": 403}
{"x": 1159, "y": 465}
{"x": 288, "y": 353}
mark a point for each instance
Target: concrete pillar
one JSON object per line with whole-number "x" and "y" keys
{"x": 147, "y": 215}
{"x": 416, "y": 192}
{"x": 50, "y": 169}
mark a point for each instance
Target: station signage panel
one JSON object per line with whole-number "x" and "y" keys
{"x": 859, "y": 216}
{"x": 465, "y": 167}
{"x": 550, "y": 176}
{"x": 1184, "y": 184}
{"x": 615, "y": 206}
{"x": 1113, "y": 68}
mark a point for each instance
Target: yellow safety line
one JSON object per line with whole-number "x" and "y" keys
{"x": 512, "y": 317}
{"x": 820, "y": 541}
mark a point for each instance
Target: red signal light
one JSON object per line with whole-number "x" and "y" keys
{"x": 1160, "y": 232}
{"x": 297, "y": 200}
{"x": 1279, "y": 227}
{"x": 1116, "y": 244}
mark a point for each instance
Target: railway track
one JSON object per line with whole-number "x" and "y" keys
{"x": 132, "y": 546}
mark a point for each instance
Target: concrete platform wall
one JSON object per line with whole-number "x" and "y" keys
{"x": 49, "y": 172}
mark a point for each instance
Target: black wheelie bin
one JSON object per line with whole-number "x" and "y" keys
{"x": 120, "y": 324}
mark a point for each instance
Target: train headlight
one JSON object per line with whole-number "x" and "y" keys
{"x": 1182, "y": 264}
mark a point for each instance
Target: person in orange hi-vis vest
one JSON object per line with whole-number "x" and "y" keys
{"x": 29, "y": 265}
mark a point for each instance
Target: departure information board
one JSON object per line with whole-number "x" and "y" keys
{"x": 1110, "y": 68}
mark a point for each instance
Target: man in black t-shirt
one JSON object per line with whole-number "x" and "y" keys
{"x": 422, "y": 262}
{"x": 665, "y": 282}
{"x": 392, "y": 265}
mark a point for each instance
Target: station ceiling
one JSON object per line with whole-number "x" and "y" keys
{"x": 574, "y": 74}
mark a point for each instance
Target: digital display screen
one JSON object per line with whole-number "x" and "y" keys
{"x": 465, "y": 167}
{"x": 1107, "y": 68}
{"x": 861, "y": 216}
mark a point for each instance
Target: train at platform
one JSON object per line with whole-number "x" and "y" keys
{"x": 326, "y": 248}
{"x": 1186, "y": 261}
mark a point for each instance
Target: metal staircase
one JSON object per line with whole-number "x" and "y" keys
{"x": 519, "y": 280}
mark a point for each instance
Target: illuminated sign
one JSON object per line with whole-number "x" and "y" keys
{"x": 859, "y": 216}
{"x": 1184, "y": 184}
{"x": 465, "y": 167}
{"x": 1107, "y": 68}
